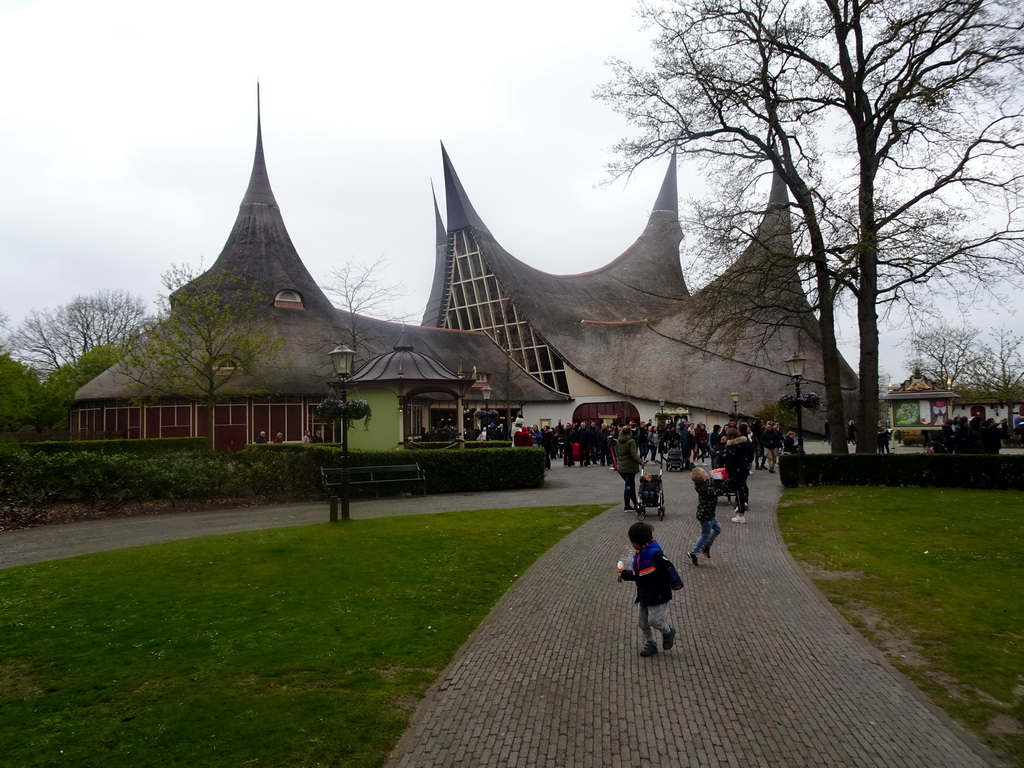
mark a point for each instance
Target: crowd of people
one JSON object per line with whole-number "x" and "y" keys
{"x": 972, "y": 435}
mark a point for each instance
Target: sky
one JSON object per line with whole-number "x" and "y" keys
{"x": 128, "y": 130}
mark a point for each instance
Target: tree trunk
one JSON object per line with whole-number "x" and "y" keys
{"x": 830, "y": 359}
{"x": 867, "y": 313}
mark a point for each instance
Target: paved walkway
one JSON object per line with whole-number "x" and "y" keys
{"x": 764, "y": 673}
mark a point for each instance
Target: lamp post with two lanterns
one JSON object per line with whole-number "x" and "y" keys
{"x": 342, "y": 358}
{"x": 795, "y": 365}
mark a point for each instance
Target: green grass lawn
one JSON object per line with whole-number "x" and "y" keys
{"x": 304, "y": 646}
{"x": 935, "y": 578}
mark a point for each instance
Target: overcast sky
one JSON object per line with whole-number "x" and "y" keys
{"x": 128, "y": 132}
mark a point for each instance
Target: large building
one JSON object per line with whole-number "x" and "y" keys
{"x": 616, "y": 342}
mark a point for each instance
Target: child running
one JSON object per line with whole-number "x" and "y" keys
{"x": 707, "y": 502}
{"x": 655, "y": 578}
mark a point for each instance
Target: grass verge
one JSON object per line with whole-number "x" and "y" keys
{"x": 933, "y": 578}
{"x": 304, "y": 646}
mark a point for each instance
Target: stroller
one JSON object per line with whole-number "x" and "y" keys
{"x": 674, "y": 461}
{"x": 651, "y": 495}
{"x": 720, "y": 481}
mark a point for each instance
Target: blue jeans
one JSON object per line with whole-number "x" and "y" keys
{"x": 709, "y": 530}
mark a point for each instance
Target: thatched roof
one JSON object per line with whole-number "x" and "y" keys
{"x": 629, "y": 326}
{"x": 259, "y": 252}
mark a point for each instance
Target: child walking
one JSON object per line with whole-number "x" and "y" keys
{"x": 707, "y": 502}
{"x": 655, "y": 578}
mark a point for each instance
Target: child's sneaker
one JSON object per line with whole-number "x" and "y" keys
{"x": 707, "y": 553}
{"x": 650, "y": 648}
{"x": 667, "y": 641}
{"x": 693, "y": 557}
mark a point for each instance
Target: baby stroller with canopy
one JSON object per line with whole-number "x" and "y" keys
{"x": 651, "y": 495}
{"x": 674, "y": 461}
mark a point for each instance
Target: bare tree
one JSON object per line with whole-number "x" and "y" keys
{"x": 896, "y": 127}
{"x": 944, "y": 353}
{"x": 997, "y": 373}
{"x": 362, "y": 290}
{"x": 51, "y": 338}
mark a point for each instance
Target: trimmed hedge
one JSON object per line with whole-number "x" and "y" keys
{"x": 995, "y": 472}
{"x": 295, "y": 469}
{"x": 455, "y": 446}
{"x": 148, "y": 447}
{"x": 31, "y": 480}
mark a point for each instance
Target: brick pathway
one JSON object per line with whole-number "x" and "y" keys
{"x": 764, "y": 672}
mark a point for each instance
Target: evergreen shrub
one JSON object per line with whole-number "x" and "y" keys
{"x": 294, "y": 470}
{"x": 985, "y": 471}
{"x": 31, "y": 480}
{"x": 147, "y": 447}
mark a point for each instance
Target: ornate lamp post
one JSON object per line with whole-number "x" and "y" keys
{"x": 795, "y": 364}
{"x": 342, "y": 358}
{"x": 735, "y": 397}
{"x": 486, "y": 392}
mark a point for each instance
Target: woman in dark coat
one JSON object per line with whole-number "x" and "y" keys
{"x": 628, "y": 463}
{"x": 739, "y": 454}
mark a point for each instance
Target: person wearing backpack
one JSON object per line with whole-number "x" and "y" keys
{"x": 656, "y": 579}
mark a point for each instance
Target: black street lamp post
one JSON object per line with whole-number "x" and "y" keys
{"x": 342, "y": 358}
{"x": 735, "y": 397}
{"x": 795, "y": 364}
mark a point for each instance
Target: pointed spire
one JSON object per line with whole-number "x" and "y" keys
{"x": 259, "y": 191}
{"x": 460, "y": 210}
{"x": 776, "y": 229}
{"x": 442, "y": 233}
{"x": 779, "y": 196}
{"x": 259, "y": 249}
{"x": 668, "y": 197}
{"x": 433, "y": 314}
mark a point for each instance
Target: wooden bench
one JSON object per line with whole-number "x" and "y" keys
{"x": 375, "y": 476}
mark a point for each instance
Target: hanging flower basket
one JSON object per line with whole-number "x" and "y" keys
{"x": 485, "y": 415}
{"x": 809, "y": 402}
{"x": 335, "y": 410}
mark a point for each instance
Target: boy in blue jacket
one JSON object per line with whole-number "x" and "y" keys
{"x": 655, "y": 578}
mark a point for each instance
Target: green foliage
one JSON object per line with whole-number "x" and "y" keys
{"x": 212, "y": 339}
{"x": 110, "y": 472}
{"x": 58, "y": 391}
{"x": 148, "y": 447}
{"x": 772, "y": 411}
{"x": 268, "y": 648}
{"x": 20, "y": 390}
{"x": 29, "y": 480}
{"x": 937, "y": 569}
{"x": 294, "y": 470}
{"x": 907, "y": 469}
